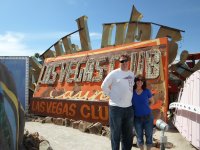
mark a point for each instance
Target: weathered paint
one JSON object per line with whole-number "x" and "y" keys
{"x": 187, "y": 113}
{"x": 79, "y": 76}
{"x": 18, "y": 66}
{"x": 95, "y": 111}
{"x": 11, "y": 112}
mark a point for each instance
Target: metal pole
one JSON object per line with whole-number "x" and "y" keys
{"x": 163, "y": 140}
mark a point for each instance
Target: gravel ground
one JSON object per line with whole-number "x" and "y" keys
{"x": 67, "y": 138}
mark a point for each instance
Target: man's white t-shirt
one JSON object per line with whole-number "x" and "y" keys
{"x": 118, "y": 85}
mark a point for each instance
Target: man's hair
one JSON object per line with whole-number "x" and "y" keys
{"x": 124, "y": 55}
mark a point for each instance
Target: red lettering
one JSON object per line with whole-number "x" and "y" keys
{"x": 85, "y": 109}
{"x": 72, "y": 111}
{"x": 103, "y": 111}
{"x": 93, "y": 112}
{"x": 33, "y": 106}
{"x": 65, "y": 109}
{"x": 54, "y": 108}
{"x": 42, "y": 107}
{"x": 49, "y": 105}
{"x": 59, "y": 108}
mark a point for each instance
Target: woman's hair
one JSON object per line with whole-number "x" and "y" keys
{"x": 144, "y": 86}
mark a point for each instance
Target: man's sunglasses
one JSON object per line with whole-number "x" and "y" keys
{"x": 123, "y": 61}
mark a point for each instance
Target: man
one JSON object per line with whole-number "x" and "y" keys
{"x": 118, "y": 85}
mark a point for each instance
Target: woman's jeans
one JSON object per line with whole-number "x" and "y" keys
{"x": 121, "y": 125}
{"x": 144, "y": 125}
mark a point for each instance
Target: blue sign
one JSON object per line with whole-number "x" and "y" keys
{"x": 18, "y": 69}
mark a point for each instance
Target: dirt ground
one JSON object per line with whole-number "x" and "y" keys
{"x": 67, "y": 138}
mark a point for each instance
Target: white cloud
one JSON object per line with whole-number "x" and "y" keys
{"x": 19, "y": 44}
{"x": 95, "y": 36}
{"x": 11, "y": 44}
{"x": 25, "y": 44}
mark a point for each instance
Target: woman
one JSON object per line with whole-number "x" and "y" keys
{"x": 143, "y": 118}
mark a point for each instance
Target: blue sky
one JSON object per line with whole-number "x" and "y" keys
{"x": 32, "y": 26}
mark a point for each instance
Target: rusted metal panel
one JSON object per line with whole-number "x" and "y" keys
{"x": 34, "y": 72}
{"x": 120, "y": 33}
{"x": 175, "y": 36}
{"x": 84, "y": 33}
{"x": 130, "y": 35}
{"x": 107, "y": 34}
{"x": 91, "y": 111}
{"x": 143, "y": 31}
{"x": 59, "y": 48}
{"x": 185, "y": 67}
{"x": 135, "y": 14}
{"x": 47, "y": 54}
{"x": 67, "y": 44}
{"x": 193, "y": 56}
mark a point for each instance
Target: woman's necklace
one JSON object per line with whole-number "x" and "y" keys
{"x": 139, "y": 91}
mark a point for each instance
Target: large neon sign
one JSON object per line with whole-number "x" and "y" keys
{"x": 79, "y": 76}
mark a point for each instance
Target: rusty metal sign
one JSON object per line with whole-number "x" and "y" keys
{"x": 95, "y": 111}
{"x": 79, "y": 76}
